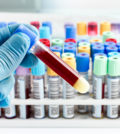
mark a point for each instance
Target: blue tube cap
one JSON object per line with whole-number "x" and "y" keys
{"x": 82, "y": 61}
{"x": 113, "y": 54}
{"x": 28, "y": 32}
{"x": 39, "y": 69}
{"x": 82, "y": 40}
{"x": 97, "y": 49}
{"x": 56, "y": 49}
{"x": 106, "y": 44}
{"x": 118, "y": 44}
{"x": 44, "y": 33}
{"x": 70, "y": 32}
{"x": 47, "y": 24}
{"x": 69, "y": 44}
{"x": 111, "y": 49}
{"x": 70, "y": 49}
{"x": 3, "y": 24}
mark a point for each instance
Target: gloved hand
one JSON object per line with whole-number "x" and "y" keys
{"x": 13, "y": 51}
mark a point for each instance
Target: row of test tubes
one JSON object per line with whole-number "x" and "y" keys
{"x": 84, "y": 53}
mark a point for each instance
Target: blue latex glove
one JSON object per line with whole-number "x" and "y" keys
{"x": 13, "y": 51}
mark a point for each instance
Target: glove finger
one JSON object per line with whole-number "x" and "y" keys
{"x": 5, "y": 103}
{"x": 6, "y": 86}
{"x": 29, "y": 60}
{"x": 12, "y": 53}
{"x": 7, "y": 31}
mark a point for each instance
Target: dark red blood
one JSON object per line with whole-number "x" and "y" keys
{"x": 56, "y": 64}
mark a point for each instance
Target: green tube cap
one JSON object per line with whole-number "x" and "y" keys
{"x": 107, "y": 35}
{"x": 100, "y": 65}
{"x": 84, "y": 44}
{"x": 58, "y": 42}
{"x": 114, "y": 66}
{"x": 64, "y": 55}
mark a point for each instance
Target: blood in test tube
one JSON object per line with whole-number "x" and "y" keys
{"x": 46, "y": 42}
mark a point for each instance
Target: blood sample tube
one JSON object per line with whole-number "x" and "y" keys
{"x": 81, "y": 30}
{"x": 68, "y": 90}
{"x": 46, "y": 42}
{"x": 58, "y": 42}
{"x": 44, "y": 33}
{"x": 53, "y": 92}
{"x": 54, "y": 62}
{"x": 70, "y": 40}
{"x": 92, "y": 29}
{"x": 38, "y": 73}
{"x": 47, "y": 24}
{"x": 56, "y": 49}
{"x": 113, "y": 85}
{"x": 35, "y": 24}
{"x": 10, "y": 112}
{"x": 111, "y": 49}
{"x": 70, "y": 32}
{"x": 70, "y": 49}
{"x": 107, "y": 35}
{"x": 99, "y": 73}
{"x": 83, "y": 59}
{"x": 105, "y": 27}
{"x": 23, "y": 88}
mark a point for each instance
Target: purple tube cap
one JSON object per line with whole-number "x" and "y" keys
{"x": 22, "y": 71}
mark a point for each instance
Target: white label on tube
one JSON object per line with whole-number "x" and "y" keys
{"x": 113, "y": 92}
{"x": 38, "y": 89}
{"x": 39, "y": 111}
{"x": 23, "y": 111}
{"x": 97, "y": 111}
{"x": 10, "y": 111}
{"x": 54, "y": 111}
{"x": 68, "y": 111}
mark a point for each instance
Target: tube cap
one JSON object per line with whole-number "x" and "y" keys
{"x": 29, "y": 33}
{"x": 22, "y": 71}
{"x": 56, "y": 49}
{"x": 95, "y": 40}
{"x": 105, "y": 27}
{"x": 3, "y": 24}
{"x": 46, "y": 42}
{"x": 100, "y": 65}
{"x": 70, "y": 32}
{"x": 70, "y": 40}
{"x": 70, "y": 49}
{"x": 111, "y": 54}
{"x": 81, "y": 28}
{"x": 35, "y": 24}
{"x": 111, "y": 40}
{"x": 97, "y": 49}
{"x": 82, "y": 40}
{"x": 68, "y": 24}
{"x": 118, "y": 49}
{"x": 111, "y": 49}
{"x": 68, "y": 55}
{"x": 47, "y": 24}
{"x": 70, "y": 44}
{"x": 84, "y": 49}
{"x": 114, "y": 66}
{"x": 39, "y": 69}
{"x": 84, "y": 44}
{"x": 106, "y": 44}
{"x": 82, "y": 61}
{"x": 57, "y": 42}
{"x": 92, "y": 28}
{"x": 50, "y": 72}
{"x": 107, "y": 35}
{"x": 118, "y": 44}
{"x": 70, "y": 61}
{"x": 44, "y": 33}
{"x": 98, "y": 54}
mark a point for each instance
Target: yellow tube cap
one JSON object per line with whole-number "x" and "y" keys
{"x": 70, "y": 61}
{"x": 95, "y": 40}
{"x": 50, "y": 72}
{"x": 81, "y": 28}
{"x": 85, "y": 49}
{"x": 105, "y": 27}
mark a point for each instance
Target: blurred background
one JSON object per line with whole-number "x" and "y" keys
{"x": 62, "y": 6}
